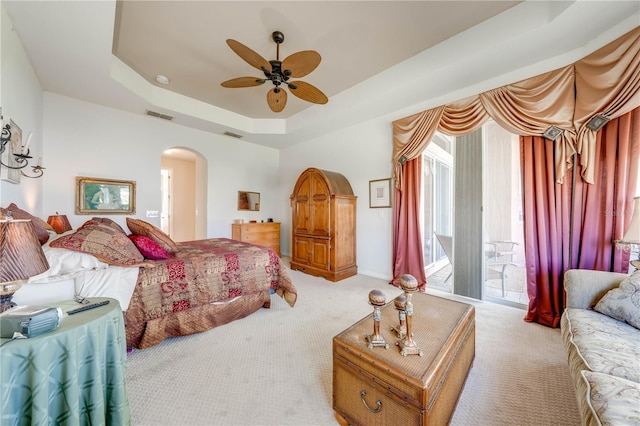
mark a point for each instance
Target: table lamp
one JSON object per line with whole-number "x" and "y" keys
{"x": 632, "y": 236}
{"x": 59, "y": 223}
{"x": 21, "y": 257}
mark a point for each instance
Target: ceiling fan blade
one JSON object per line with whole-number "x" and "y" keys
{"x": 301, "y": 63}
{"x": 243, "y": 82}
{"x": 249, "y": 56}
{"x": 308, "y": 92}
{"x": 277, "y": 99}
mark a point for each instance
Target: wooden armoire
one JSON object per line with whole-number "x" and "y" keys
{"x": 324, "y": 225}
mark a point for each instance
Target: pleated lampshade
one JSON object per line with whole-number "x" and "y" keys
{"x": 59, "y": 223}
{"x": 21, "y": 257}
{"x": 632, "y": 236}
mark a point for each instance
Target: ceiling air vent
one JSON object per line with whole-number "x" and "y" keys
{"x": 233, "y": 135}
{"x": 159, "y": 115}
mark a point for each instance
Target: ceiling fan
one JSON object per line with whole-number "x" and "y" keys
{"x": 279, "y": 72}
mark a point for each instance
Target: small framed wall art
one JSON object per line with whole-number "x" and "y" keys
{"x": 380, "y": 193}
{"x": 105, "y": 196}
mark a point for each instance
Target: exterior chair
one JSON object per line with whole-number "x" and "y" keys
{"x": 446, "y": 242}
{"x": 499, "y": 255}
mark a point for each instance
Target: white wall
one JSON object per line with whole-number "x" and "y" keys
{"x": 361, "y": 153}
{"x": 76, "y": 138}
{"x": 84, "y": 139}
{"x": 21, "y": 100}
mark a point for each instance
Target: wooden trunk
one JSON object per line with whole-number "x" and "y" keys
{"x": 265, "y": 234}
{"x": 323, "y": 225}
{"x": 379, "y": 386}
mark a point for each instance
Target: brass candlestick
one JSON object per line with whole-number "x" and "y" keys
{"x": 407, "y": 345}
{"x": 377, "y": 299}
{"x": 400, "y": 304}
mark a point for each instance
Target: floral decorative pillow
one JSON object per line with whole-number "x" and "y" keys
{"x": 140, "y": 227}
{"x": 149, "y": 248}
{"x": 104, "y": 242}
{"x": 623, "y": 303}
{"x": 108, "y": 222}
{"x": 18, "y": 213}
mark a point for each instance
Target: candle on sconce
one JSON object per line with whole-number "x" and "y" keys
{"x": 25, "y": 148}
{"x": 39, "y": 161}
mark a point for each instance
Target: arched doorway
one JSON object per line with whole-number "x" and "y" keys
{"x": 183, "y": 188}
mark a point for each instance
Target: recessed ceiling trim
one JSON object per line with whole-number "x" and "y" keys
{"x": 180, "y": 104}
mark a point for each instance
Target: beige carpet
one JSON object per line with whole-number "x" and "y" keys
{"x": 275, "y": 366}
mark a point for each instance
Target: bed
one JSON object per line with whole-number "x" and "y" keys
{"x": 165, "y": 289}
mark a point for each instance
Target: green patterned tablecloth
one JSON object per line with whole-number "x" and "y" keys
{"x": 73, "y": 375}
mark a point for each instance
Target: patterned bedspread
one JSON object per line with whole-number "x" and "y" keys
{"x": 208, "y": 283}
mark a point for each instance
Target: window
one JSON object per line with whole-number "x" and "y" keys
{"x": 437, "y": 197}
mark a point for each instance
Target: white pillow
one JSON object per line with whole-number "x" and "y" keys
{"x": 63, "y": 262}
{"x": 623, "y": 303}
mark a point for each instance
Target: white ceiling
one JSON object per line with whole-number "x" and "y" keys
{"x": 355, "y": 39}
{"x": 378, "y": 58}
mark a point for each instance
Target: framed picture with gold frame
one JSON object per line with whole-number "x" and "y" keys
{"x": 105, "y": 196}
{"x": 380, "y": 193}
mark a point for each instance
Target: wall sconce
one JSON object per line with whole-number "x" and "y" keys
{"x": 632, "y": 236}
{"x": 59, "y": 223}
{"x": 21, "y": 257}
{"x": 597, "y": 122}
{"x": 22, "y": 158}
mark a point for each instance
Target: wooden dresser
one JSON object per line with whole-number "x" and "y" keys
{"x": 323, "y": 225}
{"x": 263, "y": 234}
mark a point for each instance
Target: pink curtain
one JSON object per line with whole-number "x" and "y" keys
{"x": 605, "y": 82}
{"x": 606, "y": 207}
{"x": 546, "y": 207}
{"x": 602, "y": 212}
{"x": 408, "y": 254}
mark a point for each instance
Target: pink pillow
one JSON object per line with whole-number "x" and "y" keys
{"x": 149, "y": 248}
{"x": 140, "y": 227}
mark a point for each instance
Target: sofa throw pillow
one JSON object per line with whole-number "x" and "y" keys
{"x": 18, "y": 213}
{"x": 623, "y": 303}
{"x": 149, "y": 248}
{"x": 104, "y": 242}
{"x": 140, "y": 227}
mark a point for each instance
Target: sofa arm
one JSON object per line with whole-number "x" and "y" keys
{"x": 585, "y": 287}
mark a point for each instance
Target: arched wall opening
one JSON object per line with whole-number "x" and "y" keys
{"x": 184, "y": 194}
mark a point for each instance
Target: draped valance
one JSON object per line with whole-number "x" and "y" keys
{"x": 606, "y": 82}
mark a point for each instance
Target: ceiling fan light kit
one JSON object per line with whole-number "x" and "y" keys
{"x": 279, "y": 72}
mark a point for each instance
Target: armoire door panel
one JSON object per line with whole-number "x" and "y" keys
{"x": 320, "y": 257}
{"x": 301, "y": 222}
{"x": 320, "y": 206}
{"x": 302, "y": 250}
{"x": 301, "y": 212}
{"x": 321, "y": 217}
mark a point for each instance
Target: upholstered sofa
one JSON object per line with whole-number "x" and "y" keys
{"x": 600, "y": 330}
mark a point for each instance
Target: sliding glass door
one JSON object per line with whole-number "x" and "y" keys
{"x": 504, "y": 272}
{"x": 437, "y": 207}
